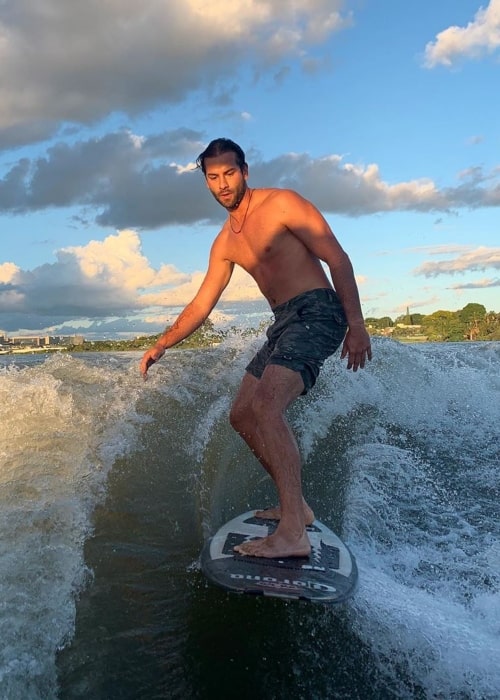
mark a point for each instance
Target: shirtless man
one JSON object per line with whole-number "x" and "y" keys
{"x": 279, "y": 238}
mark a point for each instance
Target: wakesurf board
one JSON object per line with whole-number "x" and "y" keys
{"x": 328, "y": 575}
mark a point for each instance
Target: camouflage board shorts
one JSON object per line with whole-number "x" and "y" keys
{"x": 307, "y": 329}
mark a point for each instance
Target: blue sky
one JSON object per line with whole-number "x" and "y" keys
{"x": 383, "y": 113}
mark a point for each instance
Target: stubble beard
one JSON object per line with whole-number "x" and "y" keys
{"x": 235, "y": 202}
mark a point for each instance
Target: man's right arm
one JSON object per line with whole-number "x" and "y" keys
{"x": 196, "y": 312}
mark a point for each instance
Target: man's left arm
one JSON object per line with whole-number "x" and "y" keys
{"x": 309, "y": 225}
{"x": 357, "y": 345}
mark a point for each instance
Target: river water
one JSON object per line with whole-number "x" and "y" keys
{"x": 110, "y": 485}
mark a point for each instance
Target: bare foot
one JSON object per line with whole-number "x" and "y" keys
{"x": 275, "y": 514}
{"x": 275, "y": 546}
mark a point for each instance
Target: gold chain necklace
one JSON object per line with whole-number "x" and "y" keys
{"x": 244, "y": 218}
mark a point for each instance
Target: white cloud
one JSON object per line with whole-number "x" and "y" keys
{"x": 478, "y": 38}
{"x": 475, "y": 140}
{"x": 241, "y": 288}
{"x": 8, "y": 272}
{"x": 358, "y": 189}
{"x": 485, "y": 283}
{"x": 130, "y": 181}
{"x": 415, "y": 305}
{"x": 78, "y": 61}
{"x": 118, "y": 262}
{"x": 100, "y": 281}
{"x": 480, "y": 258}
{"x": 440, "y": 249}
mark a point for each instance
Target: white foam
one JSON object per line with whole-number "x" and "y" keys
{"x": 424, "y": 523}
{"x": 62, "y": 424}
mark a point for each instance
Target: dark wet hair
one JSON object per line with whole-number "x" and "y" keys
{"x": 219, "y": 146}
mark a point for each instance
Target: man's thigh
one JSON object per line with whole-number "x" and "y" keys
{"x": 279, "y": 386}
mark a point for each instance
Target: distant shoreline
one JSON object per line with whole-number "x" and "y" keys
{"x": 75, "y": 351}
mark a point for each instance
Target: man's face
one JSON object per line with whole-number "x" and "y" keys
{"x": 225, "y": 179}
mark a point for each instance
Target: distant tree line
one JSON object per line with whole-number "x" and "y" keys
{"x": 472, "y": 322}
{"x": 205, "y": 336}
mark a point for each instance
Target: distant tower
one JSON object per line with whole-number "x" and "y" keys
{"x": 408, "y": 317}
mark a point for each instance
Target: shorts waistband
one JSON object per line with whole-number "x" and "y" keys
{"x": 328, "y": 293}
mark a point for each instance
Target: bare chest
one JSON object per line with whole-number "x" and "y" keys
{"x": 260, "y": 242}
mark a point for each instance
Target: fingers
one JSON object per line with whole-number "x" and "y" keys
{"x": 146, "y": 363}
{"x": 149, "y": 358}
{"x": 357, "y": 348}
{"x": 364, "y": 356}
{"x": 356, "y": 360}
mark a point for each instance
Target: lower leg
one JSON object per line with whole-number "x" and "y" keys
{"x": 258, "y": 417}
{"x": 282, "y": 457}
{"x": 256, "y": 442}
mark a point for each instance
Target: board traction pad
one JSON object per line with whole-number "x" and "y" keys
{"x": 328, "y": 575}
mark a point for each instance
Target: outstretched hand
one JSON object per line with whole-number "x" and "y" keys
{"x": 357, "y": 347}
{"x": 149, "y": 358}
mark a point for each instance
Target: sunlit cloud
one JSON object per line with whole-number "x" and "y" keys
{"x": 102, "y": 280}
{"x": 478, "y": 284}
{"x": 479, "y": 38}
{"x": 417, "y": 305}
{"x": 439, "y": 249}
{"x": 149, "y": 182}
{"x": 475, "y": 260}
{"x": 73, "y": 59}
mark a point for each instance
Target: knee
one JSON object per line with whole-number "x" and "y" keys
{"x": 246, "y": 416}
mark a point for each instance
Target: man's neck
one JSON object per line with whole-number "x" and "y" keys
{"x": 237, "y": 223}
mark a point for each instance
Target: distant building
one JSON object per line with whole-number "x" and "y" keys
{"x": 31, "y": 340}
{"x": 42, "y": 341}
